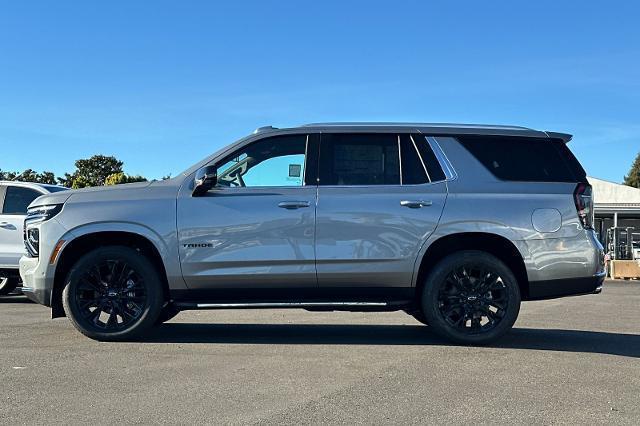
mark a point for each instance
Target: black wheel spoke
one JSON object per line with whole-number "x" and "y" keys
{"x": 473, "y": 299}
{"x": 114, "y": 288}
{"x": 95, "y": 314}
{"x": 113, "y": 319}
{"x": 89, "y": 303}
{"x": 475, "y": 324}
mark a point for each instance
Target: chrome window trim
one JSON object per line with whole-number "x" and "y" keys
{"x": 415, "y": 147}
{"x": 400, "y": 159}
{"x": 447, "y": 167}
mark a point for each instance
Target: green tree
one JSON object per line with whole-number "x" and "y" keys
{"x": 120, "y": 178}
{"x": 92, "y": 171}
{"x": 633, "y": 178}
{"x": 47, "y": 177}
{"x": 29, "y": 175}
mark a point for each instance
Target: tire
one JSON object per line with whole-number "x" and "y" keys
{"x": 167, "y": 313}
{"x": 471, "y": 297}
{"x": 113, "y": 293}
{"x": 8, "y": 283}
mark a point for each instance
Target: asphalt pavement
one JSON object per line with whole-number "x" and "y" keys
{"x": 572, "y": 360}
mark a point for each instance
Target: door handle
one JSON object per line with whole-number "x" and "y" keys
{"x": 6, "y": 225}
{"x": 415, "y": 204}
{"x": 292, "y": 205}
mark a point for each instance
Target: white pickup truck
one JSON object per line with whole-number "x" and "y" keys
{"x": 14, "y": 199}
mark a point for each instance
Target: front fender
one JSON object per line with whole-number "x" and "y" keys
{"x": 166, "y": 245}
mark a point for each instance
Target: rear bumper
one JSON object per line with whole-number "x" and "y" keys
{"x": 551, "y": 289}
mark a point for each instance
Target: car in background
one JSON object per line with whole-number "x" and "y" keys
{"x": 15, "y": 197}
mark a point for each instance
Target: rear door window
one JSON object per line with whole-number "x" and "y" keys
{"x": 524, "y": 158}
{"x": 429, "y": 159}
{"x": 359, "y": 159}
{"x": 414, "y": 171}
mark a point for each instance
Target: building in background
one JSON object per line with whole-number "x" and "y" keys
{"x": 616, "y": 206}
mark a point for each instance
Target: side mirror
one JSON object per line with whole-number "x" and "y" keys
{"x": 206, "y": 178}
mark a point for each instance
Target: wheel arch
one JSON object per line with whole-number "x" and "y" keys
{"x": 493, "y": 244}
{"x": 82, "y": 244}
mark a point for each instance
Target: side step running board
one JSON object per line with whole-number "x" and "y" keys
{"x": 280, "y": 305}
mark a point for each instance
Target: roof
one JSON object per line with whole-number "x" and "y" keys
{"x": 433, "y": 128}
{"x": 46, "y": 186}
{"x": 609, "y": 197}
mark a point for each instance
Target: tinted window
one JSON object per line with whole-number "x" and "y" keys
{"x": 17, "y": 199}
{"x": 522, "y": 158}
{"x": 275, "y": 161}
{"x": 413, "y": 171}
{"x": 429, "y": 158}
{"x": 570, "y": 160}
{"x": 359, "y": 159}
{"x": 56, "y": 188}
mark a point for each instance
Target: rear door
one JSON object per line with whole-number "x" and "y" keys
{"x": 378, "y": 201}
{"x": 14, "y": 200}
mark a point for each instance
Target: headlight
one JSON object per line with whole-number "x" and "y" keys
{"x": 35, "y": 216}
{"x": 42, "y": 213}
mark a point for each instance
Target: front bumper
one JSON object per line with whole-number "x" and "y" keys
{"x": 35, "y": 284}
{"x": 40, "y": 296}
{"x": 551, "y": 289}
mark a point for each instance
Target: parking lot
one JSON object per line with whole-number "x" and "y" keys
{"x": 574, "y": 360}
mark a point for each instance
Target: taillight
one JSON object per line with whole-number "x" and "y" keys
{"x": 583, "y": 197}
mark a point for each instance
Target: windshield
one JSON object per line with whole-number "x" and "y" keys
{"x": 54, "y": 188}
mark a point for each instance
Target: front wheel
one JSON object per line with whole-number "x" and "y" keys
{"x": 471, "y": 297}
{"x": 113, "y": 293}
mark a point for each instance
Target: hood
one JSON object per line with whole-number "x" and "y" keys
{"x": 97, "y": 191}
{"x": 60, "y": 197}
{"x": 124, "y": 186}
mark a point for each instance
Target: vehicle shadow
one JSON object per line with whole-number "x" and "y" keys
{"x": 362, "y": 334}
{"x": 14, "y": 298}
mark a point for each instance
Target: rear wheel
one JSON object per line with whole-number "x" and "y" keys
{"x": 113, "y": 293}
{"x": 471, "y": 297}
{"x": 8, "y": 282}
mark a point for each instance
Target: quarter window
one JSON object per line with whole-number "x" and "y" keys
{"x": 17, "y": 199}
{"x": 275, "y": 161}
{"x": 525, "y": 158}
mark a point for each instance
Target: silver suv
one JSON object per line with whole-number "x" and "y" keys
{"x": 453, "y": 224}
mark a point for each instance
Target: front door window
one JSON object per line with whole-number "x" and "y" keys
{"x": 278, "y": 162}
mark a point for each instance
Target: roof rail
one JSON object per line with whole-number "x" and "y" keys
{"x": 264, "y": 129}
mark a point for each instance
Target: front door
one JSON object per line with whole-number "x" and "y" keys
{"x": 377, "y": 204}
{"x": 14, "y": 201}
{"x": 256, "y": 229}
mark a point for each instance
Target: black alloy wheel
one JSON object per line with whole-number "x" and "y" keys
{"x": 471, "y": 297}
{"x": 113, "y": 293}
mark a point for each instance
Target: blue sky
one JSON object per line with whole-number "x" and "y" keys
{"x": 162, "y": 84}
